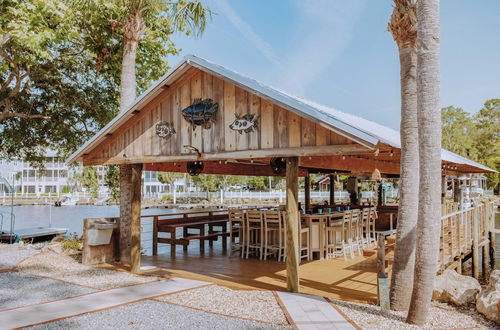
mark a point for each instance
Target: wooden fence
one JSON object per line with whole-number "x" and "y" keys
{"x": 464, "y": 233}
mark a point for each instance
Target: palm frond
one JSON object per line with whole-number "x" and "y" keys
{"x": 190, "y": 16}
{"x": 403, "y": 23}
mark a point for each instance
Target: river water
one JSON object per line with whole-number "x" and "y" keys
{"x": 71, "y": 217}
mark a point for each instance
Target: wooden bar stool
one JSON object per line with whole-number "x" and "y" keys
{"x": 354, "y": 232}
{"x": 274, "y": 234}
{"x": 304, "y": 241}
{"x": 372, "y": 233}
{"x": 336, "y": 232}
{"x": 254, "y": 232}
{"x": 236, "y": 226}
{"x": 365, "y": 227}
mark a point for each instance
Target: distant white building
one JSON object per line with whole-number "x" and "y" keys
{"x": 56, "y": 178}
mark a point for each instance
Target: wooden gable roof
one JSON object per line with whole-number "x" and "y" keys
{"x": 279, "y": 132}
{"x": 288, "y": 126}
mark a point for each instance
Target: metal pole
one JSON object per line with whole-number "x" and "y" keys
{"x": 12, "y": 210}
{"x": 50, "y": 215}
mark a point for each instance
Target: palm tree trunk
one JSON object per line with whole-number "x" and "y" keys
{"x": 133, "y": 28}
{"x": 404, "y": 254}
{"x": 429, "y": 130}
{"x": 127, "y": 79}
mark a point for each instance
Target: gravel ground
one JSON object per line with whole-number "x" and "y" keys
{"x": 257, "y": 305}
{"x": 154, "y": 315}
{"x": 11, "y": 254}
{"x": 66, "y": 268}
{"x": 442, "y": 316}
{"x": 17, "y": 289}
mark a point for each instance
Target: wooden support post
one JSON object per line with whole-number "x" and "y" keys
{"x": 307, "y": 192}
{"x": 332, "y": 189}
{"x": 475, "y": 243}
{"x": 492, "y": 250}
{"x": 184, "y": 234}
{"x": 155, "y": 235}
{"x": 125, "y": 212}
{"x": 485, "y": 236}
{"x": 456, "y": 190}
{"x": 444, "y": 180}
{"x": 382, "y": 281}
{"x": 292, "y": 224}
{"x": 135, "y": 237}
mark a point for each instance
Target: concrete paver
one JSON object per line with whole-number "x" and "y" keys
{"x": 60, "y": 309}
{"x": 312, "y": 312}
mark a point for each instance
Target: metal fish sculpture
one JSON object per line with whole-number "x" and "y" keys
{"x": 246, "y": 123}
{"x": 201, "y": 113}
{"x": 164, "y": 129}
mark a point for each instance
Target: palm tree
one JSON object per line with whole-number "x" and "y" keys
{"x": 186, "y": 15}
{"x": 403, "y": 29}
{"x": 429, "y": 132}
{"x": 134, "y": 19}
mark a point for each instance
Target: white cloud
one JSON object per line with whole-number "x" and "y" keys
{"x": 324, "y": 30}
{"x": 246, "y": 30}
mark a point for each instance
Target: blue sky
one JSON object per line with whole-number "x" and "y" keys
{"x": 339, "y": 53}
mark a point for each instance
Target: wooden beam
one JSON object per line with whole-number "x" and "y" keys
{"x": 292, "y": 224}
{"x": 135, "y": 200}
{"x": 214, "y": 167}
{"x": 352, "y": 164}
{"x": 329, "y": 150}
{"x": 307, "y": 192}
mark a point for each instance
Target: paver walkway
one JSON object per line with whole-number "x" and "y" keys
{"x": 45, "y": 312}
{"x": 312, "y": 312}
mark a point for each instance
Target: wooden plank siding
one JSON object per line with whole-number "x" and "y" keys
{"x": 277, "y": 127}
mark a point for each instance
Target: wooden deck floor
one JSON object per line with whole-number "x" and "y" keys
{"x": 354, "y": 280}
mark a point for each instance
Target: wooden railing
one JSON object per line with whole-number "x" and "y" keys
{"x": 463, "y": 233}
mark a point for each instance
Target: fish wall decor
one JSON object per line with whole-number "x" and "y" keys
{"x": 165, "y": 129}
{"x": 201, "y": 113}
{"x": 246, "y": 123}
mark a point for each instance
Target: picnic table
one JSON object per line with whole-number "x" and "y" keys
{"x": 194, "y": 227}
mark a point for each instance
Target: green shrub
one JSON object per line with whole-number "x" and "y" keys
{"x": 72, "y": 243}
{"x": 167, "y": 198}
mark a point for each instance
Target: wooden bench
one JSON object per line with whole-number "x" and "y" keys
{"x": 190, "y": 221}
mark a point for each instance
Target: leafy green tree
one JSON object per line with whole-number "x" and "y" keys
{"x": 487, "y": 139}
{"x": 476, "y": 137}
{"x": 169, "y": 178}
{"x": 141, "y": 27}
{"x": 457, "y": 131}
{"x": 112, "y": 181}
{"x": 257, "y": 182}
{"x": 88, "y": 179}
{"x": 61, "y": 63}
{"x": 51, "y": 95}
{"x": 213, "y": 182}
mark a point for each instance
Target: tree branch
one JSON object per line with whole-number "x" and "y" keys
{"x": 4, "y": 116}
{"x": 5, "y": 38}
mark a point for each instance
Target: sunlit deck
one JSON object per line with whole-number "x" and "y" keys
{"x": 354, "y": 280}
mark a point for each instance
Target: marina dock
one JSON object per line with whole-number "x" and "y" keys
{"x": 32, "y": 234}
